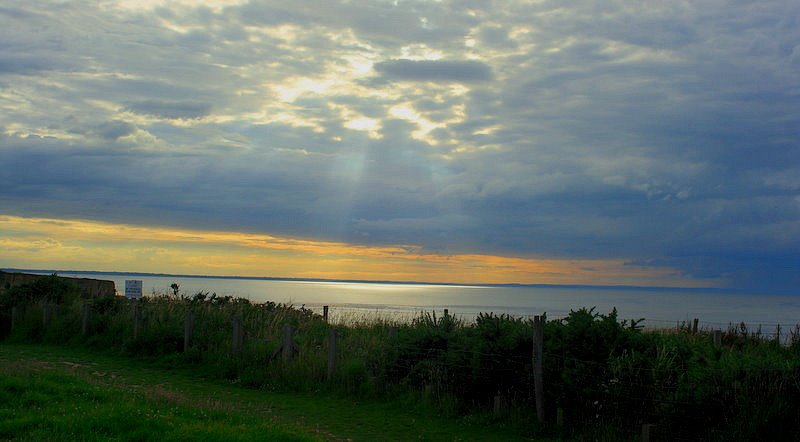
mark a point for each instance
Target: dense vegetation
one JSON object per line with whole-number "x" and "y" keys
{"x": 607, "y": 376}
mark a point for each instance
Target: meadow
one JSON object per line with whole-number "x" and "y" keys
{"x": 603, "y": 378}
{"x": 42, "y": 398}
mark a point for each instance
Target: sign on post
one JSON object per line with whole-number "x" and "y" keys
{"x": 133, "y": 288}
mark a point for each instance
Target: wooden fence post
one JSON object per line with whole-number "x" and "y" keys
{"x": 646, "y": 432}
{"x": 46, "y": 313}
{"x": 188, "y": 329}
{"x": 538, "y": 384}
{"x": 85, "y": 319}
{"x": 717, "y": 338}
{"x": 325, "y": 313}
{"x": 236, "y": 343}
{"x": 288, "y": 343}
{"x": 446, "y": 312}
{"x": 137, "y": 321}
{"x": 499, "y": 403}
{"x": 333, "y": 349}
{"x": 694, "y": 325}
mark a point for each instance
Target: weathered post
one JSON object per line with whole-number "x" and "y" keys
{"x": 46, "y": 313}
{"x": 236, "y": 343}
{"x": 137, "y": 320}
{"x": 717, "y": 338}
{"x": 333, "y": 349}
{"x": 646, "y": 432}
{"x": 538, "y": 384}
{"x": 325, "y": 313}
{"x": 188, "y": 330}
{"x": 85, "y": 319}
{"x": 446, "y": 312}
{"x": 499, "y": 403}
{"x": 288, "y": 343}
{"x": 13, "y": 318}
{"x": 694, "y": 325}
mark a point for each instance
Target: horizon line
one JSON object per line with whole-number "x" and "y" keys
{"x": 371, "y": 281}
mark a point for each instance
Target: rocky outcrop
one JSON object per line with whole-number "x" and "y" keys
{"x": 89, "y": 287}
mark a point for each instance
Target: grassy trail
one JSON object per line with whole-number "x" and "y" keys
{"x": 58, "y": 392}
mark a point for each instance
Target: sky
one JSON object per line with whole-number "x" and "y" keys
{"x": 555, "y": 142}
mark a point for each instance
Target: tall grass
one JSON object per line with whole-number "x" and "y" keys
{"x": 607, "y": 376}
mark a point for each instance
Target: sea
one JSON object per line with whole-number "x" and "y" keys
{"x": 353, "y": 301}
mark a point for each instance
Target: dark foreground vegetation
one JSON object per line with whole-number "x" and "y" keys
{"x": 605, "y": 377}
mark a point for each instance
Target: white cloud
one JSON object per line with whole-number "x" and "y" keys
{"x": 554, "y": 127}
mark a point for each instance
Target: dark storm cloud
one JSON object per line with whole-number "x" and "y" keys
{"x": 496, "y": 36}
{"x": 264, "y": 14}
{"x": 17, "y": 13}
{"x": 171, "y": 109}
{"x": 466, "y": 71}
{"x": 113, "y": 130}
{"x": 25, "y": 65}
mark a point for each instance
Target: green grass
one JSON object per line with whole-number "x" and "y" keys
{"x": 57, "y": 393}
{"x": 55, "y": 399}
{"x": 436, "y": 377}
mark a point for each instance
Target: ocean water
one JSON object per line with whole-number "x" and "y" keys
{"x": 659, "y": 307}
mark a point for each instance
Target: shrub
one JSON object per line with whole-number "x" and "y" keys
{"x": 50, "y": 290}
{"x": 608, "y": 376}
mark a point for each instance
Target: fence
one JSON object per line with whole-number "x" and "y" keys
{"x": 280, "y": 339}
{"x": 348, "y": 315}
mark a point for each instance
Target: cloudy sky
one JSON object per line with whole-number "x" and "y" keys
{"x": 614, "y": 142}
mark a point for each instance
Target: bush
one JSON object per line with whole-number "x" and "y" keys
{"x": 50, "y": 290}
{"x": 608, "y": 376}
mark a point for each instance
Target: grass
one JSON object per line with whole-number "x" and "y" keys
{"x": 436, "y": 377}
{"x": 58, "y": 393}
{"x": 52, "y": 398}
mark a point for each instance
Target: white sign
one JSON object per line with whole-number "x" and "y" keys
{"x": 133, "y": 288}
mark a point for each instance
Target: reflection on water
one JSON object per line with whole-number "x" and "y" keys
{"x": 661, "y": 308}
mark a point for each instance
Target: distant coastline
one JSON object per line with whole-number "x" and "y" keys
{"x": 368, "y": 281}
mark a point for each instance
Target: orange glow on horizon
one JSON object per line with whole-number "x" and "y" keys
{"x": 90, "y": 245}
